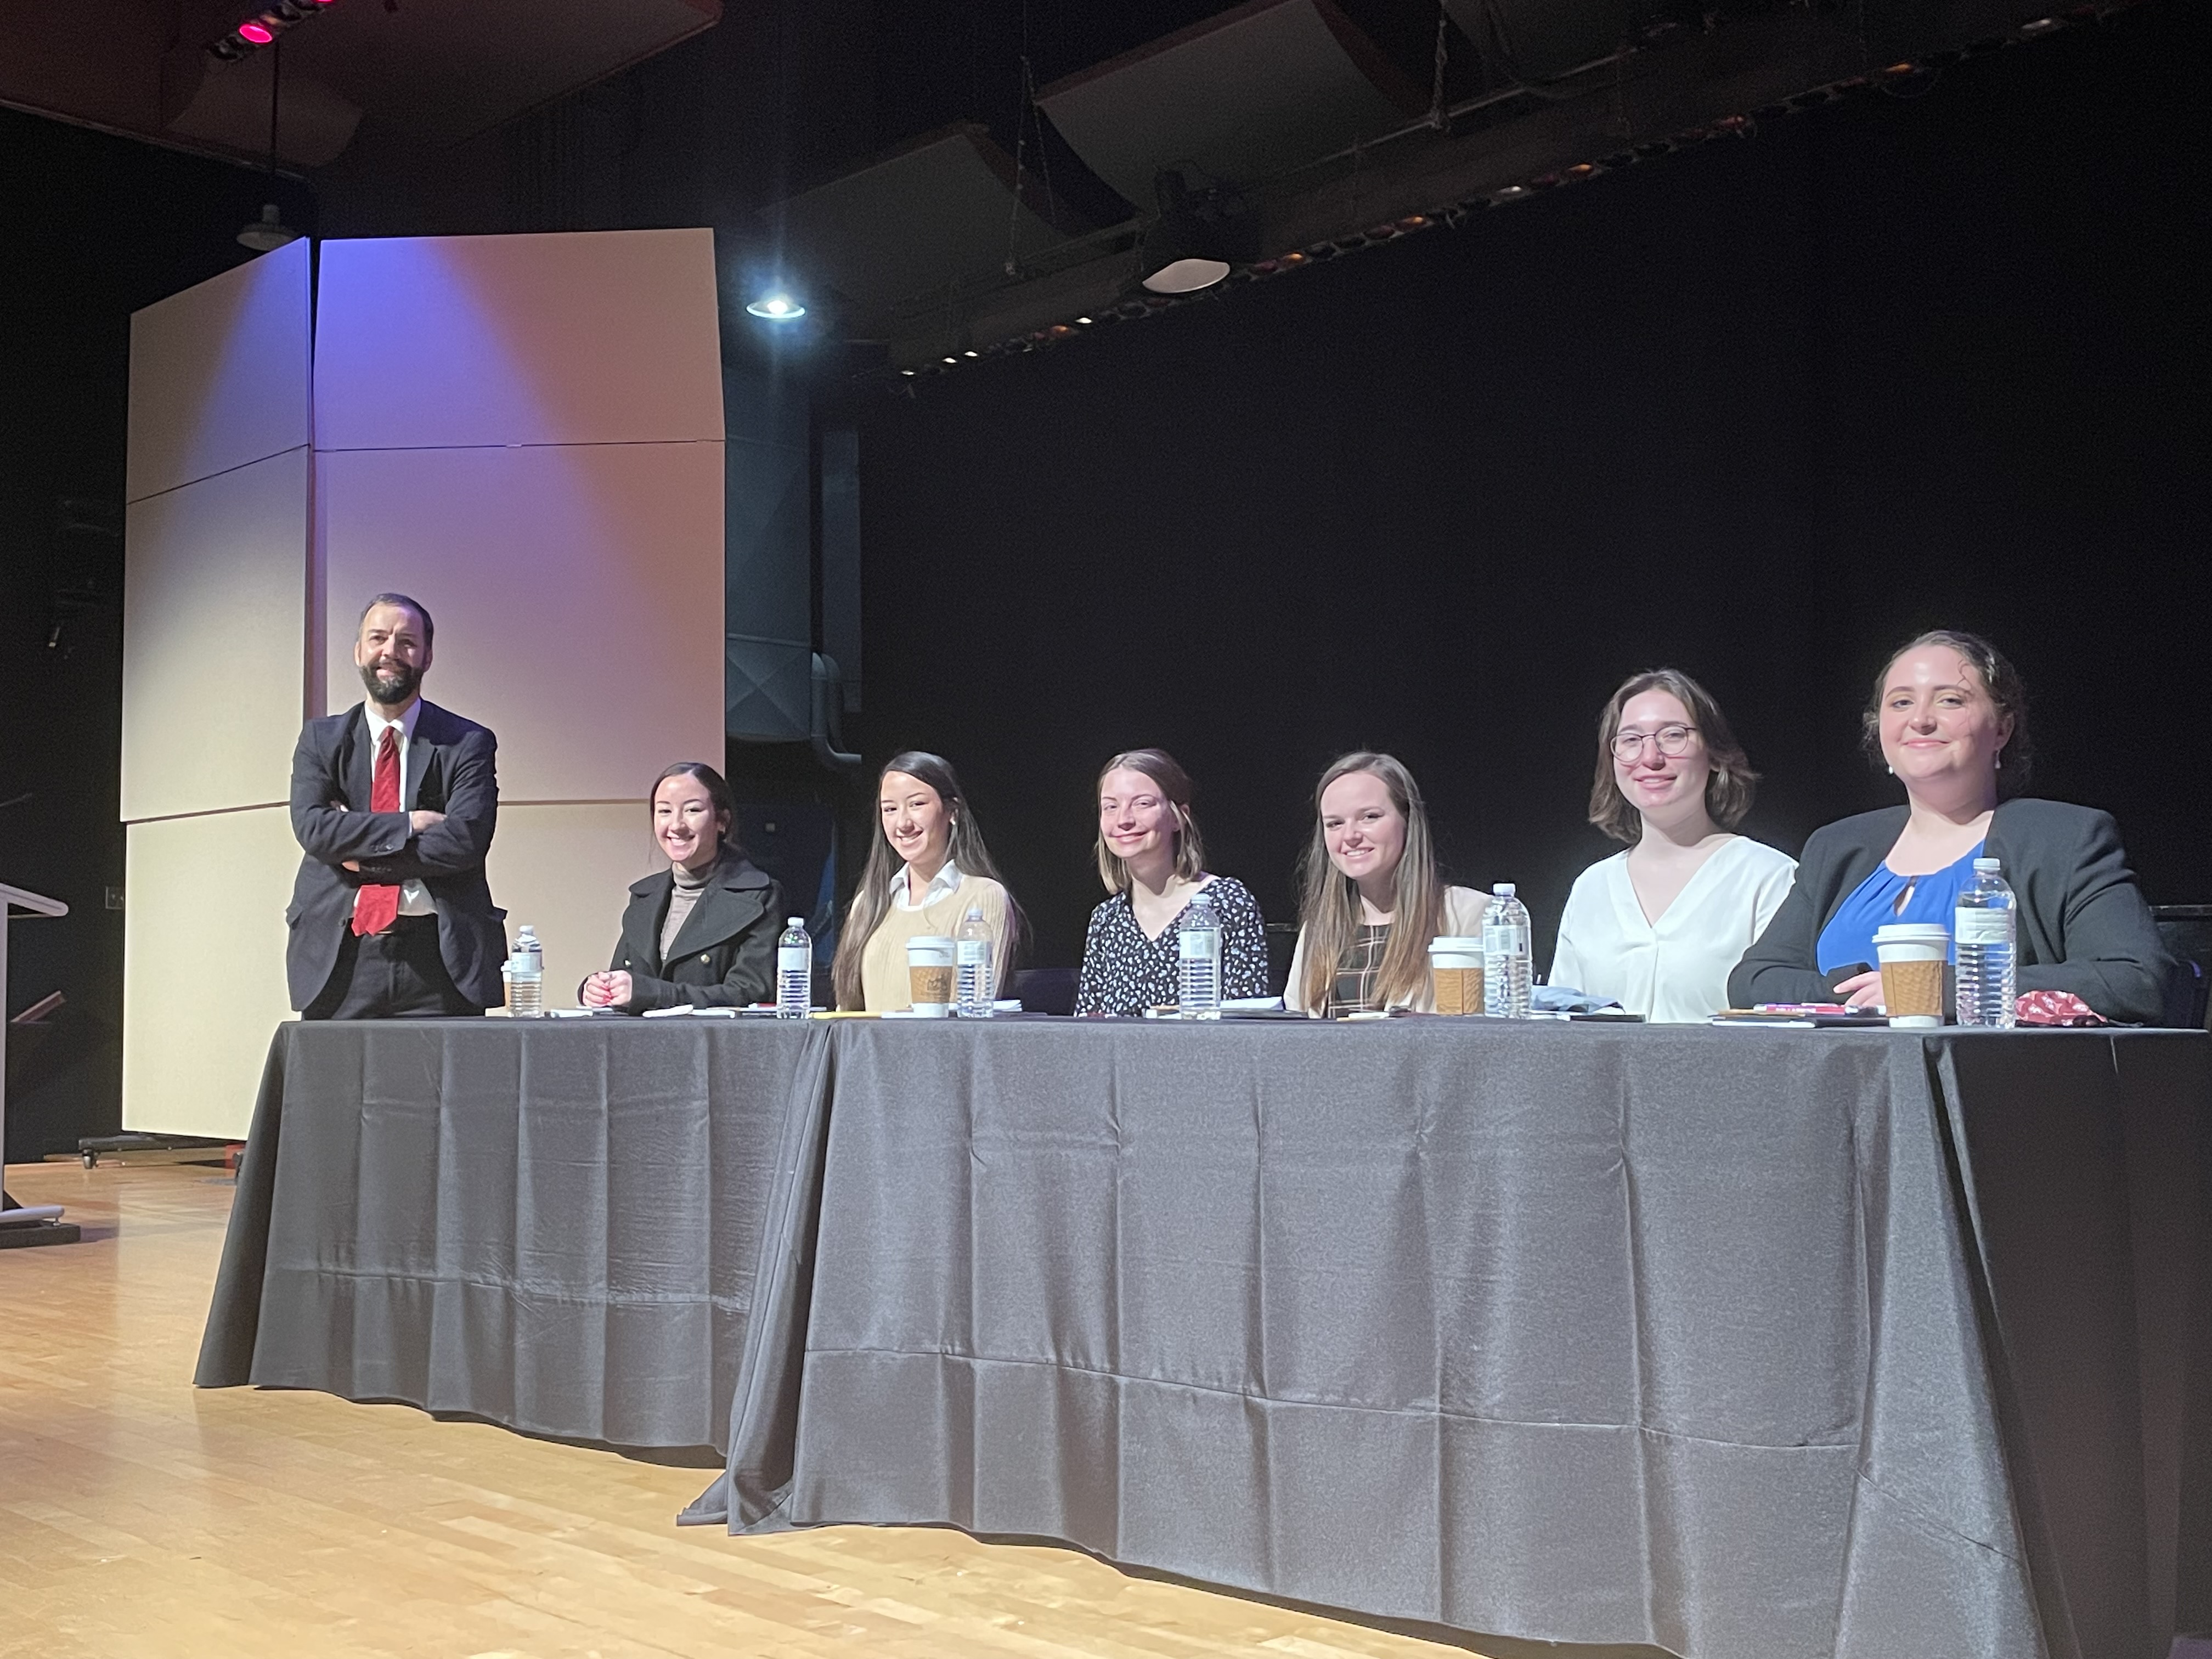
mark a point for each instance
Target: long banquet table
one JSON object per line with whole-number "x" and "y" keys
{"x": 1741, "y": 1344}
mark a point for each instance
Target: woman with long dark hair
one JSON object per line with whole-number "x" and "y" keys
{"x": 1370, "y": 898}
{"x": 925, "y": 871}
{"x": 703, "y": 931}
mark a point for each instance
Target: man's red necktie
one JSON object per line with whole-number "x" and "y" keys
{"x": 376, "y": 907}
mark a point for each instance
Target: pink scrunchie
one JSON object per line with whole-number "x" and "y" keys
{"x": 2057, "y": 1008}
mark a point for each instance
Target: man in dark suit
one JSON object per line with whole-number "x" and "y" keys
{"x": 394, "y": 803}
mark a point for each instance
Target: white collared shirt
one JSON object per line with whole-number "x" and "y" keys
{"x": 415, "y": 898}
{"x": 944, "y": 882}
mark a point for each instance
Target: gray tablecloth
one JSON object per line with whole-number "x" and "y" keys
{"x": 1747, "y": 1344}
{"x": 552, "y": 1225}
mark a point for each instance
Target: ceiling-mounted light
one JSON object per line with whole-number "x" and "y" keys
{"x": 777, "y": 307}
{"x": 260, "y": 33}
{"x": 267, "y": 232}
{"x": 1193, "y": 243}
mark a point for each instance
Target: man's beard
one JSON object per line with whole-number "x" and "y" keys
{"x": 396, "y": 684}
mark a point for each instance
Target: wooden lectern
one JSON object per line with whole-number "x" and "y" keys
{"x": 39, "y": 1224}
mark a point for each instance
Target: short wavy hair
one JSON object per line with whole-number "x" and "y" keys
{"x": 1999, "y": 678}
{"x": 1729, "y": 790}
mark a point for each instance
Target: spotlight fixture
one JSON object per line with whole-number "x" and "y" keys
{"x": 1085, "y": 321}
{"x": 267, "y": 232}
{"x": 1191, "y": 245}
{"x": 263, "y": 28}
{"x": 777, "y": 307}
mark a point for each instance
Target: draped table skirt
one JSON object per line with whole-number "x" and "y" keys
{"x": 1741, "y": 1344}
{"x": 552, "y": 1225}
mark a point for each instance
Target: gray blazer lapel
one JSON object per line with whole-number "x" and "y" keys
{"x": 422, "y": 755}
{"x": 357, "y": 765}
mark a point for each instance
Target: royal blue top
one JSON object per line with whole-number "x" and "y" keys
{"x": 1849, "y": 936}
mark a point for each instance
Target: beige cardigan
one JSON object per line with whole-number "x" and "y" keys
{"x": 1463, "y": 908}
{"x": 884, "y": 984}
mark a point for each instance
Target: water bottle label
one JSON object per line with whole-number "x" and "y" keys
{"x": 1981, "y": 927}
{"x": 1504, "y": 939}
{"x": 793, "y": 959}
{"x": 1199, "y": 945}
{"x": 973, "y": 953}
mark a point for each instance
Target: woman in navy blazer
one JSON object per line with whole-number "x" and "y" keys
{"x": 703, "y": 931}
{"x": 1949, "y": 716}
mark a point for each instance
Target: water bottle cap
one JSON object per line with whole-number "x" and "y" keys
{"x": 1988, "y": 866}
{"x": 1503, "y": 889}
{"x": 1203, "y": 896}
{"x": 794, "y": 921}
{"x": 975, "y": 913}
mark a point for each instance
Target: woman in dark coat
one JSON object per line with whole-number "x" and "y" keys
{"x": 1949, "y": 717}
{"x": 703, "y": 931}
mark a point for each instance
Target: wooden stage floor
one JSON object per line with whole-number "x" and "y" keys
{"x": 143, "y": 1519}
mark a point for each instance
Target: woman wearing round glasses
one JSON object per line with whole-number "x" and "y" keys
{"x": 1657, "y": 928}
{"x": 1948, "y": 718}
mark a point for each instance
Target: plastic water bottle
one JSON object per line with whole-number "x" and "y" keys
{"x": 1506, "y": 955}
{"x": 1199, "y": 944}
{"x": 971, "y": 947}
{"x": 526, "y": 976}
{"x": 795, "y": 970}
{"x": 1986, "y": 928}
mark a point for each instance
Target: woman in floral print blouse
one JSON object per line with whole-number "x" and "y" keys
{"x": 1152, "y": 862}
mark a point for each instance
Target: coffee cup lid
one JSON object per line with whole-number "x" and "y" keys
{"x": 1910, "y": 932}
{"x": 1455, "y": 945}
{"x": 928, "y": 942}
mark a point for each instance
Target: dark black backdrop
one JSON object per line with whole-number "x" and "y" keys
{"x": 91, "y": 227}
{"x": 1760, "y": 411}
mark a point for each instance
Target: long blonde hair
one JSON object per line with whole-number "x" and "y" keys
{"x": 873, "y": 900}
{"x": 1174, "y": 784}
{"x": 1328, "y": 900}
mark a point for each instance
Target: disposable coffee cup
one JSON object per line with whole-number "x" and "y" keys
{"x": 1455, "y": 974}
{"x": 930, "y": 976}
{"x": 1915, "y": 966}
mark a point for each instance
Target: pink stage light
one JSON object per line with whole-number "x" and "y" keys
{"x": 258, "y": 32}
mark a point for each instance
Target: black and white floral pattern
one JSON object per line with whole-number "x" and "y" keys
{"x": 1125, "y": 973}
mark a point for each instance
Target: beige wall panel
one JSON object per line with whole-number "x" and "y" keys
{"x": 214, "y": 606}
{"x": 578, "y": 594}
{"x": 566, "y": 871}
{"x": 604, "y": 336}
{"x": 220, "y": 373}
{"x": 202, "y": 967}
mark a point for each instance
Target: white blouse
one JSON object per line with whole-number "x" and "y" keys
{"x": 1677, "y": 970}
